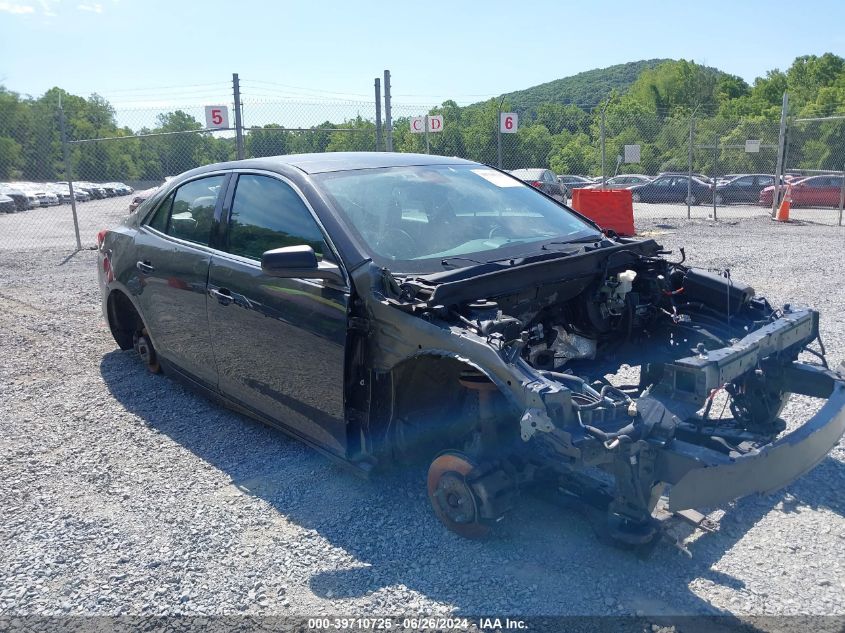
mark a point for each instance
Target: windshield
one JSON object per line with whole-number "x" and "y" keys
{"x": 413, "y": 218}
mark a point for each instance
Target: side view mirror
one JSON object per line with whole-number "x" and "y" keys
{"x": 299, "y": 262}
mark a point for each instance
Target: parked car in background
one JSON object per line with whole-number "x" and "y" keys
{"x": 63, "y": 191}
{"x": 574, "y": 182}
{"x": 7, "y": 204}
{"x": 815, "y": 191}
{"x": 95, "y": 191}
{"x": 140, "y": 196}
{"x": 702, "y": 177}
{"x": 672, "y": 188}
{"x": 119, "y": 188}
{"x": 543, "y": 179}
{"x": 39, "y": 190}
{"x": 20, "y": 197}
{"x": 623, "y": 181}
{"x": 743, "y": 188}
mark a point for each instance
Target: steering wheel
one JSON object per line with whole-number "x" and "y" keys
{"x": 497, "y": 231}
{"x": 398, "y": 243}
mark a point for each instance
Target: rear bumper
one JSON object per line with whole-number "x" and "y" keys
{"x": 702, "y": 478}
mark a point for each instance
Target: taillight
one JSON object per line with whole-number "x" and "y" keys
{"x": 536, "y": 183}
{"x": 101, "y": 237}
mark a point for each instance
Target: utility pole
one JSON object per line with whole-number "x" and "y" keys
{"x": 378, "y": 114}
{"x": 69, "y": 173}
{"x": 239, "y": 128}
{"x": 388, "y": 120}
{"x": 781, "y": 155}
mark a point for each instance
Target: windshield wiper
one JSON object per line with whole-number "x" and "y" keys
{"x": 445, "y": 261}
{"x": 582, "y": 240}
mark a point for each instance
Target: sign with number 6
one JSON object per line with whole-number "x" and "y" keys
{"x": 508, "y": 122}
{"x": 216, "y": 117}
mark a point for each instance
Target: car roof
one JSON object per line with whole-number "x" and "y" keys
{"x": 528, "y": 171}
{"x": 337, "y": 161}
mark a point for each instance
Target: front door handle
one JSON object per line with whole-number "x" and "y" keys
{"x": 223, "y": 295}
{"x": 145, "y": 267}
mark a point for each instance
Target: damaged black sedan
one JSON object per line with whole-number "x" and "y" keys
{"x": 386, "y": 308}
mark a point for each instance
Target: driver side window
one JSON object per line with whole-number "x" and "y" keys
{"x": 266, "y": 214}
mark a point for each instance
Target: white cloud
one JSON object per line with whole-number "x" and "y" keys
{"x": 16, "y": 9}
{"x": 47, "y": 8}
{"x": 93, "y": 8}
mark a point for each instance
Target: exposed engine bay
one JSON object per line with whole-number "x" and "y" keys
{"x": 706, "y": 368}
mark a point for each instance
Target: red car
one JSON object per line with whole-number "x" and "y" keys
{"x": 815, "y": 191}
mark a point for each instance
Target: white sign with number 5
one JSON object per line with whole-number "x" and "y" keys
{"x": 216, "y": 117}
{"x": 508, "y": 122}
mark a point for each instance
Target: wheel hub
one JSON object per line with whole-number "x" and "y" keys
{"x": 452, "y": 498}
{"x": 455, "y": 498}
{"x": 145, "y": 350}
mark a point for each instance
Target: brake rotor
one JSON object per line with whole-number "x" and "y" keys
{"x": 452, "y": 499}
{"x": 144, "y": 346}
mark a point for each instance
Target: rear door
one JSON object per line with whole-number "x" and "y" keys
{"x": 173, "y": 250}
{"x": 763, "y": 181}
{"x": 832, "y": 192}
{"x": 743, "y": 190}
{"x": 813, "y": 191}
{"x": 552, "y": 185}
{"x": 279, "y": 343}
{"x": 660, "y": 190}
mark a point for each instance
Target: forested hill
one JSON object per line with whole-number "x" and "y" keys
{"x": 585, "y": 89}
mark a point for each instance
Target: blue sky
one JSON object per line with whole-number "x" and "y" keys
{"x": 136, "y": 53}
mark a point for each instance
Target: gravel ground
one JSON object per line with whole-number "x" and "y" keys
{"x": 124, "y": 493}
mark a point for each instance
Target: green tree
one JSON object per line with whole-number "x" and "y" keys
{"x": 271, "y": 140}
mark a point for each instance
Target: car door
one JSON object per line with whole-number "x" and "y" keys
{"x": 173, "y": 255}
{"x": 762, "y": 181}
{"x": 660, "y": 190}
{"x": 741, "y": 190}
{"x": 279, "y": 343}
{"x": 554, "y": 187}
{"x": 831, "y": 192}
{"x": 810, "y": 191}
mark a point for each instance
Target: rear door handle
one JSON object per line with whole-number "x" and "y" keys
{"x": 145, "y": 267}
{"x": 223, "y": 295}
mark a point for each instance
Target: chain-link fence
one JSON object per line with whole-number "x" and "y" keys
{"x": 677, "y": 165}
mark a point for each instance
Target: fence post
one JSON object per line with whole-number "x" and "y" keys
{"x": 69, "y": 173}
{"x": 239, "y": 128}
{"x": 689, "y": 178}
{"x": 427, "y": 148}
{"x": 842, "y": 196}
{"x": 715, "y": 172}
{"x": 781, "y": 157}
{"x": 603, "y": 172}
{"x": 378, "y": 114}
{"x": 499, "y": 129}
{"x": 388, "y": 121}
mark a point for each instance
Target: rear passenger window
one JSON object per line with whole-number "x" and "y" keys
{"x": 192, "y": 212}
{"x": 266, "y": 214}
{"x": 188, "y": 212}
